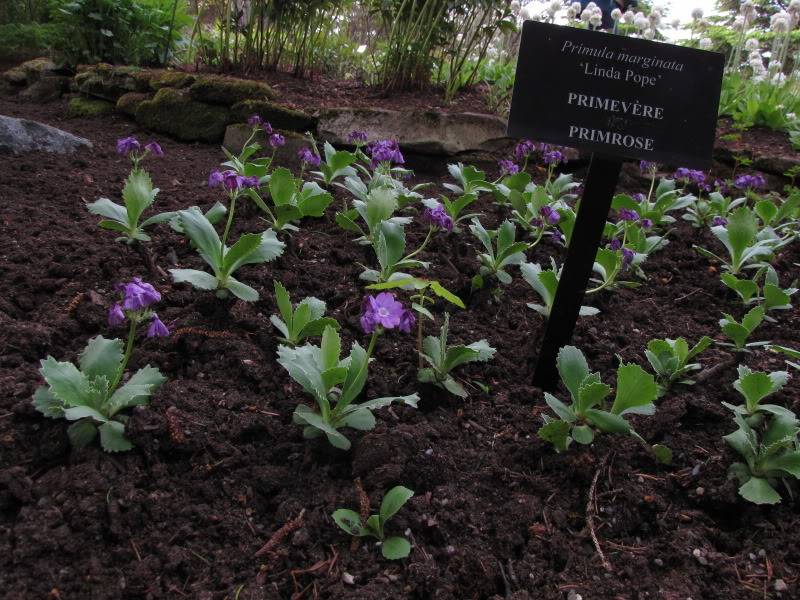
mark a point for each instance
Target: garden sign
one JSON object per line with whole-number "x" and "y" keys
{"x": 618, "y": 98}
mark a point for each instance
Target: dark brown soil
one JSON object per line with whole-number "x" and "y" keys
{"x": 219, "y": 467}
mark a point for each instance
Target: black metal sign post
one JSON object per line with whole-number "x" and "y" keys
{"x": 616, "y": 97}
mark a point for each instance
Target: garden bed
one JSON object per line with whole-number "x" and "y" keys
{"x": 219, "y": 467}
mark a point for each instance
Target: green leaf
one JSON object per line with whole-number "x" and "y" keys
{"x": 108, "y": 209}
{"x": 662, "y": 453}
{"x": 240, "y": 252}
{"x": 755, "y": 386}
{"x": 349, "y": 521}
{"x": 608, "y": 422}
{"x": 203, "y": 235}
{"x": 112, "y": 437}
{"x": 136, "y": 390}
{"x": 573, "y": 368}
{"x": 636, "y": 391}
{"x": 241, "y": 290}
{"x": 440, "y": 291}
{"x": 331, "y": 348}
{"x": 199, "y": 279}
{"x": 282, "y": 186}
{"x": 563, "y": 411}
{"x": 556, "y": 433}
{"x": 393, "y": 501}
{"x": 583, "y": 434}
{"x": 101, "y": 357}
{"x": 284, "y": 303}
{"x": 758, "y": 491}
{"x": 66, "y": 382}
{"x": 362, "y": 419}
{"x": 592, "y": 394}
{"x": 46, "y": 403}
{"x": 83, "y": 412}
{"x": 138, "y": 194}
{"x": 81, "y": 433}
{"x": 394, "y": 548}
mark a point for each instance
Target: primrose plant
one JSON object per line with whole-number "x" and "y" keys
{"x": 251, "y": 248}
{"x": 589, "y": 412}
{"x": 771, "y": 295}
{"x": 392, "y": 548}
{"x": 92, "y": 394}
{"x": 545, "y": 283}
{"x": 138, "y": 195}
{"x": 305, "y": 320}
{"x": 291, "y": 198}
{"x": 443, "y": 358}
{"x": 739, "y": 331}
{"x": 335, "y": 382}
{"x": 747, "y": 246}
{"x": 502, "y": 251}
{"x": 670, "y": 360}
{"x": 766, "y": 437}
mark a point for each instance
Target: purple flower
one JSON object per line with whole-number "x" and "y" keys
{"x": 254, "y": 121}
{"x": 627, "y": 257}
{"x": 357, "y": 138}
{"x": 750, "y": 182}
{"x": 690, "y": 175}
{"x": 626, "y": 214}
{"x": 438, "y": 217}
{"x": 615, "y": 244}
{"x": 722, "y": 187}
{"x": 639, "y": 198}
{"x": 647, "y": 167}
{"x": 382, "y": 311}
{"x": 536, "y": 222}
{"x": 251, "y": 182}
{"x": 385, "y": 151}
{"x": 523, "y": 150}
{"x": 157, "y": 328}
{"x": 232, "y": 180}
{"x": 646, "y": 223}
{"x": 115, "y": 315}
{"x": 127, "y": 145}
{"x": 508, "y": 167}
{"x": 154, "y": 148}
{"x": 215, "y": 179}
{"x": 719, "y": 221}
{"x": 407, "y": 320}
{"x": 276, "y": 140}
{"x": 138, "y": 294}
{"x": 308, "y": 157}
{"x": 549, "y": 215}
{"x": 554, "y": 157}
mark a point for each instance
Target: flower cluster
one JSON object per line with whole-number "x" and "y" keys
{"x": 508, "y": 167}
{"x": 549, "y": 215}
{"x": 385, "y": 151}
{"x": 384, "y": 311}
{"x": 553, "y": 157}
{"x": 308, "y": 157}
{"x": 137, "y": 298}
{"x": 276, "y": 140}
{"x": 256, "y": 121}
{"x": 524, "y": 150}
{"x": 438, "y": 217}
{"x": 719, "y": 221}
{"x": 357, "y": 138}
{"x": 626, "y": 214}
{"x": 690, "y": 176}
{"x": 648, "y": 168}
{"x": 131, "y": 147}
{"x": 750, "y": 182}
{"x": 231, "y": 180}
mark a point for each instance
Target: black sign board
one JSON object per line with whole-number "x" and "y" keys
{"x": 616, "y": 95}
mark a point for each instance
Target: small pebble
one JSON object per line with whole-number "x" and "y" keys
{"x": 429, "y": 452}
{"x": 658, "y": 562}
{"x": 700, "y": 491}
{"x": 450, "y": 550}
{"x": 348, "y": 579}
{"x": 573, "y": 595}
{"x": 696, "y": 470}
{"x": 780, "y": 585}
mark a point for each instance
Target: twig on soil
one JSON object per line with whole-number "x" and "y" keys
{"x": 203, "y": 332}
{"x": 707, "y": 374}
{"x": 363, "y": 503}
{"x": 136, "y": 551}
{"x": 590, "y": 511}
{"x": 279, "y": 535}
{"x": 73, "y": 304}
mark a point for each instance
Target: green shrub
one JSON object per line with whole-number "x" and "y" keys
{"x": 117, "y": 31}
{"x": 25, "y": 40}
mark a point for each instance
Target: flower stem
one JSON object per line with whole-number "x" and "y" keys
{"x": 126, "y": 357}
{"x": 424, "y": 243}
{"x": 228, "y": 225}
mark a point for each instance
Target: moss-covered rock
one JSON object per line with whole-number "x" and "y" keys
{"x": 278, "y": 116}
{"x": 175, "y": 113}
{"x": 34, "y": 69}
{"x": 15, "y": 76}
{"x": 228, "y": 91}
{"x": 128, "y": 103}
{"x": 46, "y": 89}
{"x": 88, "y": 107}
{"x": 109, "y": 83}
{"x": 7, "y": 89}
{"x": 173, "y": 79}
